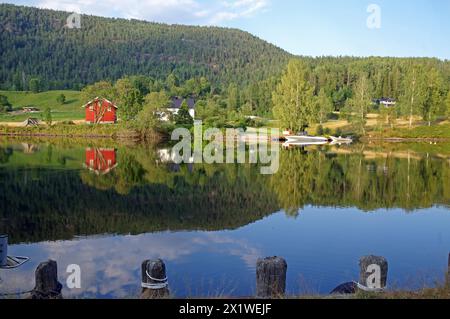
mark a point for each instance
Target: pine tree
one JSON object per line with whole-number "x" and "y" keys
{"x": 183, "y": 117}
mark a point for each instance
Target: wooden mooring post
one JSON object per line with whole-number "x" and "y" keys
{"x": 373, "y": 273}
{"x": 47, "y": 284}
{"x": 154, "y": 280}
{"x": 271, "y": 277}
{"x": 3, "y": 250}
{"x": 447, "y": 277}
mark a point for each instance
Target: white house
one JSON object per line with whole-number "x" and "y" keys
{"x": 176, "y": 103}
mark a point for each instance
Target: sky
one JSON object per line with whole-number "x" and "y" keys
{"x": 405, "y": 28}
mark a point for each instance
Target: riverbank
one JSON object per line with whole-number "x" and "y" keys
{"x": 114, "y": 132}
{"x": 419, "y": 133}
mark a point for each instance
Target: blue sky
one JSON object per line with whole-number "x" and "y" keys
{"x": 303, "y": 27}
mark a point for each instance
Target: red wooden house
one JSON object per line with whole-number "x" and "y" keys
{"x": 100, "y": 160}
{"x": 100, "y": 111}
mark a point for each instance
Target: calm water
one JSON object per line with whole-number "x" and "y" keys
{"x": 108, "y": 207}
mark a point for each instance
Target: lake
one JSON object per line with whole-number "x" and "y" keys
{"x": 107, "y": 206}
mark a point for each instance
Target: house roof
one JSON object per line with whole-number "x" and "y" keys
{"x": 177, "y": 101}
{"x": 98, "y": 99}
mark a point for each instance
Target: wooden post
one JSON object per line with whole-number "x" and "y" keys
{"x": 447, "y": 279}
{"x": 373, "y": 272}
{"x": 3, "y": 250}
{"x": 154, "y": 280}
{"x": 47, "y": 284}
{"x": 271, "y": 277}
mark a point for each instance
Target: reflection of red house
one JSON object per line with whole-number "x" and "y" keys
{"x": 101, "y": 111}
{"x": 100, "y": 160}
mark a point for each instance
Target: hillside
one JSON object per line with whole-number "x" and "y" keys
{"x": 35, "y": 43}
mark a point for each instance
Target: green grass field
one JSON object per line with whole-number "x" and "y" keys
{"x": 71, "y": 110}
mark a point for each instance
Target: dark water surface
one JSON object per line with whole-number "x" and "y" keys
{"x": 107, "y": 207}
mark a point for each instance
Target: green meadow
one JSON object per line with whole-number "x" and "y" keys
{"x": 70, "y": 110}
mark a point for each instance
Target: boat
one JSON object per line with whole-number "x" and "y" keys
{"x": 341, "y": 140}
{"x": 305, "y": 139}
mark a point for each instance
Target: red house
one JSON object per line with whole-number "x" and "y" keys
{"x": 101, "y": 111}
{"x": 100, "y": 160}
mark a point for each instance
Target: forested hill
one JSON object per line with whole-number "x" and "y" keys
{"x": 35, "y": 43}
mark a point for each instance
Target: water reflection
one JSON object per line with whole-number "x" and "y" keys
{"x": 226, "y": 216}
{"x": 101, "y": 161}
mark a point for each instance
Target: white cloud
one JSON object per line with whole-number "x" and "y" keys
{"x": 199, "y": 12}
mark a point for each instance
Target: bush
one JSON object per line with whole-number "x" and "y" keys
{"x": 320, "y": 130}
{"x": 61, "y": 99}
{"x": 338, "y": 132}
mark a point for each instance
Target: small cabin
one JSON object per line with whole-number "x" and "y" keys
{"x": 100, "y": 111}
{"x": 100, "y": 160}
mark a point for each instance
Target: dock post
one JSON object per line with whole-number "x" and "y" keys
{"x": 447, "y": 278}
{"x": 3, "y": 250}
{"x": 154, "y": 280}
{"x": 47, "y": 284}
{"x": 271, "y": 277}
{"x": 373, "y": 273}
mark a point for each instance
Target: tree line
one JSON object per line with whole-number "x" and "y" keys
{"x": 311, "y": 89}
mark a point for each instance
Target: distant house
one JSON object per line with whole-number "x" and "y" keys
{"x": 100, "y": 111}
{"x": 386, "y": 102}
{"x": 30, "y": 109}
{"x": 101, "y": 161}
{"x": 175, "y": 106}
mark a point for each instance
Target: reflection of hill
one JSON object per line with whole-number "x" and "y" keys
{"x": 60, "y": 206}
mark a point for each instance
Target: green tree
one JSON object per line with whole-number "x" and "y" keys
{"x": 183, "y": 117}
{"x": 324, "y": 107}
{"x": 128, "y": 98}
{"x": 356, "y": 108}
{"x": 5, "y": 106}
{"x": 233, "y": 101}
{"x": 293, "y": 99}
{"x": 155, "y": 104}
{"x": 413, "y": 92}
{"x": 434, "y": 95}
{"x": 47, "y": 116}
{"x": 35, "y": 85}
{"x": 447, "y": 103}
{"x": 102, "y": 89}
{"x": 61, "y": 99}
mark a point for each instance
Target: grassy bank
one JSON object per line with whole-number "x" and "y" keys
{"x": 70, "y": 110}
{"x": 418, "y": 132}
{"x": 119, "y": 131}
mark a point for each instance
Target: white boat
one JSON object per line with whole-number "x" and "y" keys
{"x": 301, "y": 144}
{"x": 341, "y": 140}
{"x": 291, "y": 139}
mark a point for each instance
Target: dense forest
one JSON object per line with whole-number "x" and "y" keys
{"x": 36, "y": 45}
{"x": 231, "y": 74}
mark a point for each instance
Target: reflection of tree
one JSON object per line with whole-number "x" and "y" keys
{"x": 5, "y": 154}
{"x": 319, "y": 178}
{"x": 144, "y": 195}
{"x": 129, "y": 174}
{"x": 294, "y": 181}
